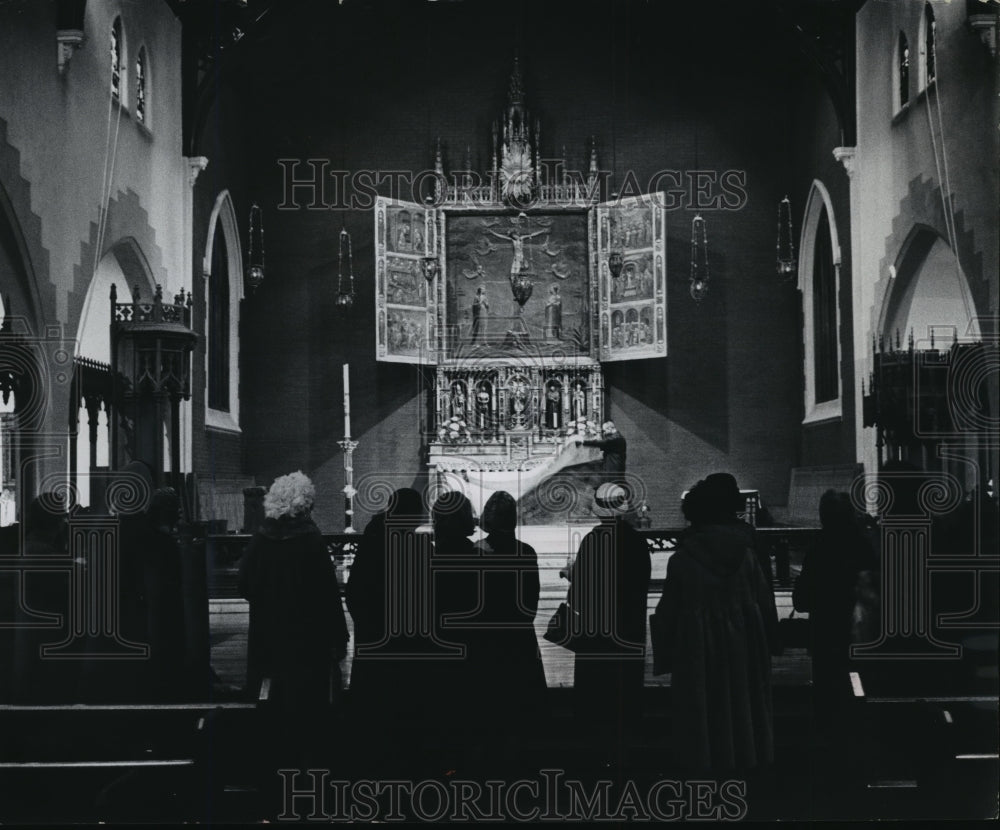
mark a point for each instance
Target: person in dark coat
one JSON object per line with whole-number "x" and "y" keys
{"x": 505, "y": 655}
{"x": 297, "y": 629}
{"x": 609, "y": 584}
{"x": 717, "y": 503}
{"x": 447, "y": 681}
{"x": 715, "y": 629}
{"x": 390, "y": 568}
{"x": 615, "y": 448}
{"x": 826, "y": 590}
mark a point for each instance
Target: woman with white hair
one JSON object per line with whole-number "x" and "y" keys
{"x": 297, "y": 629}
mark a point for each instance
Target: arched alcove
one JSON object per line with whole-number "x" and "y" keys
{"x": 223, "y": 270}
{"x": 929, "y": 295}
{"x": 819, "y": 282}
{"x": 124, "y": 266}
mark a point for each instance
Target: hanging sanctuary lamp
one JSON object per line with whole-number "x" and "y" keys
{"x": 255, "y": 252}
{"x": 345, "y": 297}
{"x": 786, "y": 247}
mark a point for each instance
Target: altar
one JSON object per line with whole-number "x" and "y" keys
{"x": 517, "y": 286}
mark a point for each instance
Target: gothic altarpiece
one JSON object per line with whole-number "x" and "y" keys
{"x": 505, "y": 286}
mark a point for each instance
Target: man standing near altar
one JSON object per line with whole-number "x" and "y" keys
{"x": 614, "y": 446}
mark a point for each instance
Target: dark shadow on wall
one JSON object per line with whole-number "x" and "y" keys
{"x": 689, "y": 387}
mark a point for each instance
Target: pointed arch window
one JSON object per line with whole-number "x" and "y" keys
{"x": 218, "y": 324}
{"x": 819, "y": 282}
{"x": 223, "y": 269}
{"x": 117, "y": 61}
{"x": 824, "y": 307}
{"x": 930, "y": 45}
{"x": 141, "y": 88}
{"x": 902, "y": 72}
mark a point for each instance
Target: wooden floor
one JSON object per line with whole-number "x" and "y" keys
{"x": 229, "y": 618}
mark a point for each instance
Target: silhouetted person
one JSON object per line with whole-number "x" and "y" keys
{"x": 608, "y": 590}
{"x": 449, "y": 681}
{"x": 718, "y": 503}
{"x": 505, "y": 655}
{"x": 716, "y": 629}
{"x": 388, "y": 595}
{"x": 297, "y": 630}
{"x": 615, "y": 448}
{"x": 826, "y": 590}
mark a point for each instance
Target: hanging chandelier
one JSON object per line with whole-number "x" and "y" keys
{"x": 345, "y": 298}
{"x": 255, "y": 252}
{"x": 787, "y": 264}
{"x": 699, "y": 259}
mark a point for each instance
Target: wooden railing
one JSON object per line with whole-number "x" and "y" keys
{"x": 786, "y": 547}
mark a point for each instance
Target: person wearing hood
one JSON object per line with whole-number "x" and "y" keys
{"x": 715, "y": 630}
{"x": 826, "y": 590}
{"x": 297, "y": 629}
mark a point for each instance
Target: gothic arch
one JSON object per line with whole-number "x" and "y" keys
{"x": 223, "y": 217}
{"x": 30, "y": 288}
{"x": 125, "y": 265}
{"x": 920, "y": 245}
{"x": 922, "y": 208}
{"x": 126, "y": 224}
{"x": 819, "y": 205}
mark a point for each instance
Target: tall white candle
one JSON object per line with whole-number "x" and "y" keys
{"x": 347, "y": 401}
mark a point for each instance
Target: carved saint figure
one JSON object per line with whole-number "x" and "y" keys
{"x": 458, "y": 400}
{"x": 553, "y": 314}
{"x": 579, "y": 401}
{"x": 480, "y": 309}
{"x": 553, "y": 406}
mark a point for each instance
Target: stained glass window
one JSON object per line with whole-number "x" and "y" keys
{"x": 218, "y": 324}
{"x": 929, "y": 44}
{"x": 904, "y": 70}
{"x": 116, "y": 59}
{"x": 825, "y": 314}
{"x": 140, "y": 87}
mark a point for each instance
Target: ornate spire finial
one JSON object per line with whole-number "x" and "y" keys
{"x": 516, "y": 89}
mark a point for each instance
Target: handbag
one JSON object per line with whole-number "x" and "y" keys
{"x": 794, "y": 631}
{"x": 560, "y": 629}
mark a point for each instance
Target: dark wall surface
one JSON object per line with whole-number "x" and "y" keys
{"x": 371, "y": 86}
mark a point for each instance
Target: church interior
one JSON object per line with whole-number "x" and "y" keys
{"x": 481, "y": 247}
